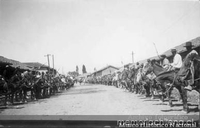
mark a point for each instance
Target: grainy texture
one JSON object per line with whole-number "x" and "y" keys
{"x": 91, "y": 99}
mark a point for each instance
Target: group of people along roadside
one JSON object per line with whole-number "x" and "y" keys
{"x": 177, "y": 60}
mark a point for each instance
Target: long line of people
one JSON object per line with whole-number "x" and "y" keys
{"x": 152, "y": 78}
{"x": 28, "y": 85}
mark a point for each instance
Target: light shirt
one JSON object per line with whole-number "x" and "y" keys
{"x": 177, "y": 61}
{"x": 137, "y": 66}
{"x": 193, "y": 51}
{"x": 165, "y": 62}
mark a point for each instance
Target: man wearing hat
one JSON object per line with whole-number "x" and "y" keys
{"x": 165, "y": 63}
{"x": 177, "y": 60}
{"x": 188, "y": 46}
{"x": 137, "y": 65}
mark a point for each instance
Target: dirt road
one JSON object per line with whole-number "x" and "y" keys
{"x": 91, "y": 99}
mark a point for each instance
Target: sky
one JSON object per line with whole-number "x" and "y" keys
{"x": 95, "y": 33}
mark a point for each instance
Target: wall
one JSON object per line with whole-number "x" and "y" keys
{"x": 99, "y": 73}
{"x": 109, "y": 70}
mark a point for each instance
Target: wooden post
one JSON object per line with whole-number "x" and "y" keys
{"x": 48, "y": 65}
{"x": 132, "y": 57}
{"x": 53, "y": 64}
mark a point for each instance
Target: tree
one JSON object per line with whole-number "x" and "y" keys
{"x": 84, "y": 69}
{"x": 77, "y": 69}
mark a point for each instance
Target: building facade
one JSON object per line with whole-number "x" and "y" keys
{"x": 105, "y": 71}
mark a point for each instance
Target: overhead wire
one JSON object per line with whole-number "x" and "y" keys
{"x": 172, "y": 25}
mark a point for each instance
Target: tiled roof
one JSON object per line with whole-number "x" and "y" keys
{"x": 180, "y": 48}
{"x": 35, "y": 64}
{"x": 4, "y": 60}
{"x": 14, "y": 63}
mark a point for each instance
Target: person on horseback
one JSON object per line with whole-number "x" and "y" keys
{"x": 141, "y": 65}
{"x": 177, "y": 61}
{"x": 190, "y": 50}
{"x": 15, "y": 79}
{"x": 165, "y": 62}
{"x": 137, "y": 65}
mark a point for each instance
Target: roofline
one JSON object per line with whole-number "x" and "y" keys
{"x": 104, "y": 69}
{"x": 181, "y": 51}
{"x": 41, "y": 65}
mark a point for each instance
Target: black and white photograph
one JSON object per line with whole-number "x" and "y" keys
{"x": 99, "y": 61}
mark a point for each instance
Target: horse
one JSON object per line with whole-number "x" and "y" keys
{"x": 196, "y": 77}
{"x": 115, "y": 80}
{"x": 130, "y": 79}
{"x": 80, "y": 80}
{"x": 63, "y": 82}
{"x": 28, "y": 85}
{"x": 151, "y": 86}
{"x": 123, "y": 78}
{"x": 107, "y": 79}
{"x": 38, "y": 83}
{"x": 167, "y": 80}
{"x": 4, "y": 89}
{"x": 55, "y": 85}
{"x": 139, "y": 81}
{"x": 15, "y": 84}
{"x": 190, "y": 74}
{"x": 69, "y": 82}
{"x": 13, "y": 88}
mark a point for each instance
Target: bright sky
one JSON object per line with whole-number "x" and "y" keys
{"x": 95, "y": 33}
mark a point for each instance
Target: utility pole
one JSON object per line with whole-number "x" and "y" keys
{"x": 53, "y": 64}
{"x": 48, "y": 63}
{"x": 132, "y": 57}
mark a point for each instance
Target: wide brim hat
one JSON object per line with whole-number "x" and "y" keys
{"x": 189, "y": 44}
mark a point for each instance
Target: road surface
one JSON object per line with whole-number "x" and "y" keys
{"x": 92, "y": 99}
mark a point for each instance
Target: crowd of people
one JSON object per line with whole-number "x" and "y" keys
{"x": 150, "y": 78}
{"x": 178, "y": 60}
{"x": 22, "y": 85}
{"x": 158, "y": 77}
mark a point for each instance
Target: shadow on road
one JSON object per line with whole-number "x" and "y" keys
{"x": 192, "y": 108}
{"x": 143, "y": 98}
{"x": 10, "y": 107}
{"x": 151, "y": 100}
{"x": 161, "y": 104}
{"x": 169, "y": 110}
{"x": 83, "y": 91}
{"x": 86, "y": 84}
{"x": 196, "y": 109}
